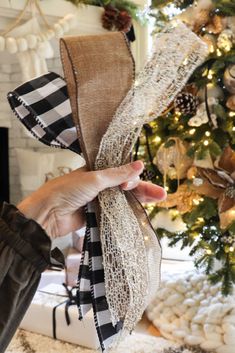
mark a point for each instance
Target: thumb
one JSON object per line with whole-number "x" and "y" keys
{"x": 116, "y": 176}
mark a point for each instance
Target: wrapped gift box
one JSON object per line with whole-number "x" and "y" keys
{"x": 39, "y": 318}
{"x": 73, "y": 260}
{"x": 49, "y": 276}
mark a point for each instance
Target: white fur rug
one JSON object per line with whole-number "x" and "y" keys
{"x": 190, "y": 310}
{"x": 26, "y": 342}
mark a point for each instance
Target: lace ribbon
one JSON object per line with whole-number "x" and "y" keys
{"x": 128, "y": 257}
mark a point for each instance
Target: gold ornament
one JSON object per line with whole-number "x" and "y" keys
{"x": 216, "y": 25}
{"x": 184, "y": 199}
{"x": 231, "y": 103}
{"x": 202, "y": 20}
{"x": 213, "y": 91}
{"x": 219, "y": 183}
{"x": 210, "y": 40}
{"x": 225, "y": 40}
{"x": 229, "y": 78}
{"x": 173, "y": 161}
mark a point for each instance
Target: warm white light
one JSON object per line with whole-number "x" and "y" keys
{"x": 208, "y": 251}
{"x": 157, "y": 139}
{"x": 233, "y": 128}
{"x": 210, "y": 74}
{"x": 206, "y": 142}
{"x": 231, "y": 249}
{"x": 207, "y": 133}
{"x": 232, "y": 114}
{"x": 218, "y": 52}
{"x": 192, "y": 131}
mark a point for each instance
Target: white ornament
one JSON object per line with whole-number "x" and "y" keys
{"x": 58, "y": 30}
{"x": 64, "y": 24}
{"x": 22, "y": 44}
{"x": 212, "y": 91}
{"x": 71, "y": 19}
{"x": 167, "y": 219}
{"x": 11, "y": 45}
{"x": 2, "y": 43}
{"x": 201, "y": 116}
{"x": 32, "y": 40}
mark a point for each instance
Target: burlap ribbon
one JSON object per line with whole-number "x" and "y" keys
{"x": 98, "y": 71}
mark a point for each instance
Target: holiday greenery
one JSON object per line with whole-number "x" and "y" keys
{"x": 190, "y": 149}
{"x": 118, "y": 14}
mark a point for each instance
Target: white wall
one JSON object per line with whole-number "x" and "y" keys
{"x": 10, "y": 77}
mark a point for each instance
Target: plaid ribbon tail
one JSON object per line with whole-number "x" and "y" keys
{"x": 107, "y": 333}
{"x": 43, "y": 107}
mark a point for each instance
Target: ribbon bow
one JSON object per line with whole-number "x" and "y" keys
{"x": 71, "y": 300}
{"x": 119, "y": 272}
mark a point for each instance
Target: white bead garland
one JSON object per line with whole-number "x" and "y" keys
{"x": 32, "y": 41}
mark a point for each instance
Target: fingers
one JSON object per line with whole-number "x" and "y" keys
{"x": 132, "y": 184}
{"x": 116, "y": 176}
{"x": 148, "y": 192}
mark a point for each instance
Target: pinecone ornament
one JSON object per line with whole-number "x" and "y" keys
{"x": 115, "y": 19}
{"x": 147, "y": 175}
{"x": 186, "y": 103}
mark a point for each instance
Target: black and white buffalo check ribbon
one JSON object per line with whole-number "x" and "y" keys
{"x": 42, "y": 105}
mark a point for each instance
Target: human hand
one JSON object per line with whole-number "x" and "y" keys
{"x": 58, "y": 205}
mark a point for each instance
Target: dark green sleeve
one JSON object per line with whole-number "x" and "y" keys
{"x": 25, "y": 252}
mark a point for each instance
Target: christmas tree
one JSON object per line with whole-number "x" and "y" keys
{"x": 190, "y": 149}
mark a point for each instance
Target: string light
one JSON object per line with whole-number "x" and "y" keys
{"x": 210, "y": 74}
{"x": 166, "y": 188}
{"x": 232, "y": 114}
{"x": 212, "y": 49}
{"x": 207, "y": 133}
{"x": 218, "y": 52}
{"x": 196, "y": 202}
{"x": 196, "y": 235}
{"x": 192, "y": 131}
{"x": 200, "y": 220}
{"x": 233, "y": 129}
{"x": 209, "y": 252}
{"x": 157, "y": 139}
{"x": 231, "y": 249}
{"x": 206, "y": 143}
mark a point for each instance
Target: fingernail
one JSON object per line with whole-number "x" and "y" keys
{"x": 132, "y": 183}
{"x": 137, "y": 165}
{"x": 164, "y": 194}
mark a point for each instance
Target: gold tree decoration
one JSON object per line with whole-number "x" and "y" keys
{"x": 190, "y": 149}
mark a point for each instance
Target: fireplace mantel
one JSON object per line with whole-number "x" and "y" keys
{"x": 88, "y": 22}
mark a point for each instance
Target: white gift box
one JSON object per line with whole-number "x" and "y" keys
{"x": 39, "y": 318}
{"x": 52, "y": 276}
{"x": 73, "y": 260}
